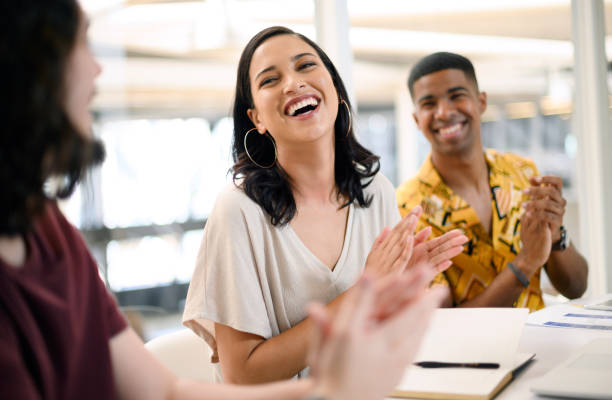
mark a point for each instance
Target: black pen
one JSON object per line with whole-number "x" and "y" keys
{"x": 438, "y": 364}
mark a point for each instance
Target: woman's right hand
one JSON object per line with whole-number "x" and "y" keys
{"x": 399, "y": 254}
{"x": 392, "y": 249}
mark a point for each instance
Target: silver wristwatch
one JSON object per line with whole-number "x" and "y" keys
{"x": 563, "y": 242}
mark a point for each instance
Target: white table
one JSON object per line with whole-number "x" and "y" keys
{"x": 551, "y": 346}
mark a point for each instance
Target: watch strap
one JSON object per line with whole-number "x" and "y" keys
{"x": 563, "y": 242}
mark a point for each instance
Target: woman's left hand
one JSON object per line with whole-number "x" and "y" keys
{"x": 434, "y": 255}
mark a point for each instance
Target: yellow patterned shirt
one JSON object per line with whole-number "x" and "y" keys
{"x": 484, "y": 256}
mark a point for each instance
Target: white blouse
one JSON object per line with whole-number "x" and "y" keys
{"x": 259, "y": 278}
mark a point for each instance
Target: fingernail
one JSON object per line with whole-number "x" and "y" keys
{"x": 526, "y": 191}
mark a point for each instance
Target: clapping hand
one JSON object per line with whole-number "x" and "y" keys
{"x": 433, "y": 256}
{"x": 392, "y": 249}
{"x": 399, "y": 257}
{"x": 398, "y": 249}
{"x": 546, "y": 202}
{"x": 357, "y": 356}
{"x": 540, "y": 222}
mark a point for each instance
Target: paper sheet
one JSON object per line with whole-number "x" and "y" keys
{"x": 585, "y": 375}
{"x": 571, "y": 316}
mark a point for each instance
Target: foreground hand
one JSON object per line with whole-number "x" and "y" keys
{"x": 357, "y": 357}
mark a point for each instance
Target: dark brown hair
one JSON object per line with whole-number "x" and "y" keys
{"x": 37, "y": 139}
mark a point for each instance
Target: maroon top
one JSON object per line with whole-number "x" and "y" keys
{"x": 56, "y": 319}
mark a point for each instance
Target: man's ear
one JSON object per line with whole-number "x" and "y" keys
{"x": 416, "y": 119}
{"x": 254, "y": 117}
{"x": 482, "y": 102}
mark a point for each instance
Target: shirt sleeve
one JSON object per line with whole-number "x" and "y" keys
{"x": 98, "y": 295}
{"x": 226, "y": 287}
{"x": 115, "y": 321}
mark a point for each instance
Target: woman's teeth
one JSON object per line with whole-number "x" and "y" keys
{"x": 311, "y": 101}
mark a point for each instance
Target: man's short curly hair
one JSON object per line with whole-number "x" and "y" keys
{"x": 37, "y": 139}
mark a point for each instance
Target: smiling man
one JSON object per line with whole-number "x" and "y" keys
{"x": 513, "y": 216}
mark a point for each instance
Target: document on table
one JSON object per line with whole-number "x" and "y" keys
{"x": 585, "y": 375}
{"x": 571, "y": 316}
{"x": 602, "y": 303}
{"x": 467, "y": 335}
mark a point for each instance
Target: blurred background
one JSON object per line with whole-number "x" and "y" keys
{"x": 165, "y": 94}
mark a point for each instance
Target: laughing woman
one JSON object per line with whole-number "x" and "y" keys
{"x": 299, "y": 221}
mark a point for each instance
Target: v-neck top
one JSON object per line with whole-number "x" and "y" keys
{"x": 259, "y": 278}
{"x": 485, "y": 255}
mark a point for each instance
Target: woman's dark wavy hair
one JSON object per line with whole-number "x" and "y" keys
{"x": 355, "y": 165}
{"x": 37, "y": 140}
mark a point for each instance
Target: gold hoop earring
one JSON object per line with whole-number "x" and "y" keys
{"x": 249, "y": 154}
{"x": 348, "y": 110}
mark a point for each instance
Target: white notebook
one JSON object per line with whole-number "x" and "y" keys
{"x": 458, "y": 383}
{"x": 467, "y": 335}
